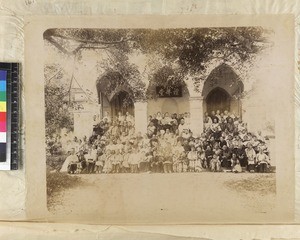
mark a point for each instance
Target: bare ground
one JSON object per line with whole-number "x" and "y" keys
{"x": 167, "y": 198}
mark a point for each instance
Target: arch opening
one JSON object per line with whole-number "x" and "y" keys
{"x": 218, "y": 99}
{"x": 222, "y": 91}
{"x": 121, "y": 102}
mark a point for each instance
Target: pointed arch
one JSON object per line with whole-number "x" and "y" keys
{"x": 223, "y": 76}
{"x": 222, "y": 90}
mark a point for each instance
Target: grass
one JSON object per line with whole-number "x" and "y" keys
{"x": 55, "y": 162}
{"x": 262, "y": 184}
{"x": 58, "y": 182}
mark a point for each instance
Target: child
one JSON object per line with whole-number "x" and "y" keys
{"x": 100, "y": 163}
{"x": 201, "y": 156}
{"x": 144, "y": 162}
{"x": 167, "y": 164}
{"x": 108, "y": 165}
{"x": 233, "y": 160}
{"x": 251, "y": 155}
{"x": 82, "y": 161}
{"x": 117, "y": 159}
{"x": 192, "y": 157}
{"x": 91, "y": 157}
{"x": 125, "y": 162}
{"x": 215, "y": 163}
{"x": 134, "y": 160}
{"x": 208, "y": 155}
{"x": 176, "y": 162}
{"x": 199, "y": 160}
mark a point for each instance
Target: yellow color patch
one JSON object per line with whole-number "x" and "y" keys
{"x": 2, "y": 106}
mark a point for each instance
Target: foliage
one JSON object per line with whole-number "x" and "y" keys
{"x": 187, "y": 50}
{"x": 193, "y": 48}
{"x": 57, "y": 114}
{"x": 120, "y": 73}
{"x": 164, "y": 76}
{"x": 55, "y": 162}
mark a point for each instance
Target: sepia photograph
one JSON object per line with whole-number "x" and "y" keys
{"x": 158, "y": 104}
{"x": 170, "y": 121}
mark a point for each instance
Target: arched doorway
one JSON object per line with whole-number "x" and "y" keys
{"x": 122, "y": 102}
{"x": 218, "y": 99}
{"x": 222, "y": 91}
{"x": 115, "y": 94}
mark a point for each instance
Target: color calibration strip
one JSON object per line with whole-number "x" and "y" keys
{"x": 3, "y": 118}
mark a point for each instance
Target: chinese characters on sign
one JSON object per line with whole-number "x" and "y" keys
{"x": 170, "y": 91}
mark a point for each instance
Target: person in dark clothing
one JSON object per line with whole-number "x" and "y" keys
{"x": 241, "y": 155}
{"x": 156, "y": 163}
{"x": 225, "y": 157}
{"x": 208, "y": 155}
{"x": 82, "y": 160}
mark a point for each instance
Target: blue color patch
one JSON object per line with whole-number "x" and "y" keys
{"x": 3, "y": 75}
{"x": 2, "y": 85}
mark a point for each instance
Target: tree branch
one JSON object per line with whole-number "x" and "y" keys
{"x": 81, "y": 46}
{"x": 56, "y": 44}
{"x": 49, "y": 79}
{"x": 85, "y": 41}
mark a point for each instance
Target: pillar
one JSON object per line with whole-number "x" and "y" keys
{"x": 83, "y": 123}
{"x": 140, "y": 117}
{"x": 196, "y": 111}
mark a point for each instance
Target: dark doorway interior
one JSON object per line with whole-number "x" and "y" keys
{"x": 218, "y": 99}
{"x": 122, "y": 102}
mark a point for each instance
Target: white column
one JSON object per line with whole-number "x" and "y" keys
{"x": 140, "y": 117}
{"x": 83, "y": 123}
{"x": 196, "y": 111}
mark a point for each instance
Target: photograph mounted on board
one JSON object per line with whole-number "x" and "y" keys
{"x": 166, "y": 125}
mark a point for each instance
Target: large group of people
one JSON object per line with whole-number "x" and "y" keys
{"x": 169, "y": 146}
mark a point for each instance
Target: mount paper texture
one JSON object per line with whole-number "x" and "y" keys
{"x": 234, "y": 70}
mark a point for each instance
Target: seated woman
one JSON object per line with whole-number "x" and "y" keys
{"x": 262, "y": 161}
{"x": 237, "y": 167}
{"x": 70, "y": 164}
{"x": 233, "y": 160}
